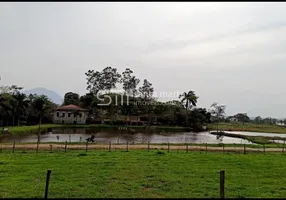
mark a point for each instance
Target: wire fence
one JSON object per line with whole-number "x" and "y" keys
{"x": 67, "y": 147}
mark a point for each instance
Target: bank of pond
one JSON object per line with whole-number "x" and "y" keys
{"x": 137, "y": 135}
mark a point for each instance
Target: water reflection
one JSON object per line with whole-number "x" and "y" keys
{"x": 124, "y": 136}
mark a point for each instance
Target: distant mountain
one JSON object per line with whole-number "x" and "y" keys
{"x": 55, "y": 97}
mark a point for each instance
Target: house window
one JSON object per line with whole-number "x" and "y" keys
{"x": 64, "y": 114}
{"x": 69, "y": 114}
{"x": 58, "y": 114}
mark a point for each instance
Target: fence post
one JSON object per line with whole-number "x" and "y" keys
{"x": 70, "y": 138}
{"x": 222, "y": 184}
{"x": 127, "y": 146}
{"x": 187, "y": 148}
{"x": 168, "y": 147}
{"x": 109, "y": 148}
{"x": 13, "y": 147}
{"x": 206, "y": 147}
{"x": 148, "y": 146}
{"x": 47, "y": 183}
{"x": 66, "y": 146}
{"x": 283, "y": 146}
{"x": 37, "y": 146}
{"x": 244, "y": 149}
{"x": 223, "y": 148}
{"x": 86, "y": 146}
{"x": 51, "y": 147}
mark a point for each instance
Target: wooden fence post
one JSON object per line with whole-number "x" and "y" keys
{"x": 37, "y": 146}
{"x": 283, "y": 146}
{"x": 70, "y": 138}
{"x": 222, "y": 174}
{"x": 13, "y": 147}
{"x": 127, "y": 146}
{"x": 264, "y": 148}
{"x": 168, "y": 147}
{"x": 51, "y": 147}
{"x": 206, "y": 147}
{"x": 148, "y": 146}
{"x": 187, "y": 148}
{"x": 66, "y": 146}
{"x": 47, "y": 183}
{"x": 86, "y": 146}
{"x": 109, "y": 148}
{"x": 244, "y": 149}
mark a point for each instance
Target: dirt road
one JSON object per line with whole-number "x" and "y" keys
{"x": 135, "y": 146}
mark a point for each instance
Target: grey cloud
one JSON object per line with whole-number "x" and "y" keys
{"x": 52, "y": 45}
{"x": 175, "y": 45}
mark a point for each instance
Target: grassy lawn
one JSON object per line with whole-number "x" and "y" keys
{"x": 141, "y": 174}
{"x": 248, "y": 127}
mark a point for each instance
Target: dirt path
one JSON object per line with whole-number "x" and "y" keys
{"x": 134, "y": 146}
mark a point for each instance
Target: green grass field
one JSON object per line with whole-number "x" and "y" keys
{"x": 248, "y": 127}
{"x": 140, "y": 173}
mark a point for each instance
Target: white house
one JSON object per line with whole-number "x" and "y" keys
{"x": 70, "y": 114}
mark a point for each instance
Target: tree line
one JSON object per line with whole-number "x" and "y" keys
{"x": 17, "y": 108}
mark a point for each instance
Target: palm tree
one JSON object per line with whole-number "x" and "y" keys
{"x": 21, "y": 104}
{"x": 41, "y": 104}
{"x": 189, "y": 99}
{"x": 5, "y": 106}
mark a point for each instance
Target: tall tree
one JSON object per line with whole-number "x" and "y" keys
{"x": 242, "y": 117}
{"x": 5, "y": 107}
{"x": 21, "y": 104}
{"x": 71, "y": 98}
{"x": 42, "y": 105}
{"x": 94, "y": 81}
{"x": 175, "y": 108}
{"x": 130, "y": 83}
{"x": 218, "y": 111}
{"x": 109, "y": 78}
{"x": 189, "y": 99}
{"x": 146, "y": 92}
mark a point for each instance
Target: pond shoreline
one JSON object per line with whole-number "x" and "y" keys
{"x": 247, "y": 127}
{"x": 45, "y": 127}
{"x": 254, "y": 139}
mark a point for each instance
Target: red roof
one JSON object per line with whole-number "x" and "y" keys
{"x": 71, "y": 107}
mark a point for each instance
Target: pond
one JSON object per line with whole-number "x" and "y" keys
{"x": 122, "y": 136}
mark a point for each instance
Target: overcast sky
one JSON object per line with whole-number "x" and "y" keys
{"x": 230, "y": 53}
